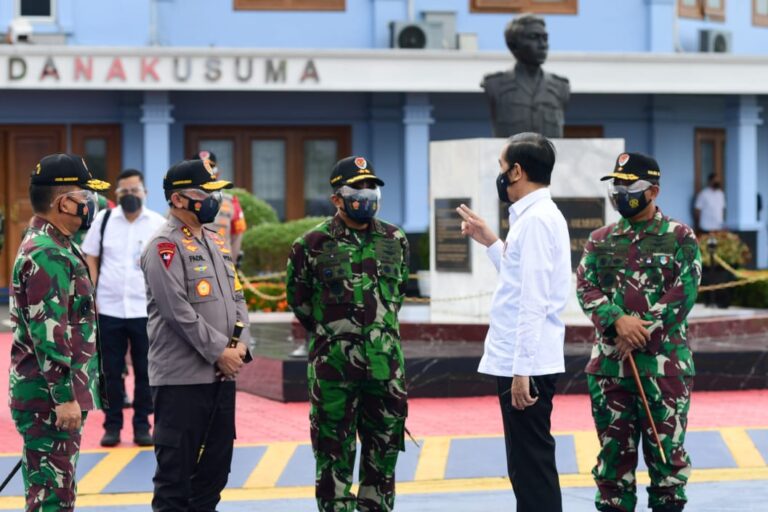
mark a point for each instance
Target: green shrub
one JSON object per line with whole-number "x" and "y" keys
{"x": 256, "y": 210}
{"x": 266, "y": 247}
{"x": 752, "y": 295}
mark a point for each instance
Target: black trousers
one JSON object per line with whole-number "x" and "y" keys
{"x": 182, "y": 414}
{"x": 531, "y": 447}
{"x": 115, "y": 335}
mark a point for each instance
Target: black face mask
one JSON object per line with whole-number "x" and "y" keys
{"x": 502, "y": 182}
{"x": 130, "y": 203}
{"x": 205, "y": 210}
{"x": 630, "y": 204}
{"x": 86, "y": 211}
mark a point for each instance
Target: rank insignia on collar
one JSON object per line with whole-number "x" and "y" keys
{"x": 203, "y": 288}
{"x": 167, "y": 251}
{"x": 189, "y": 245}
{"x": 187, "y": 232}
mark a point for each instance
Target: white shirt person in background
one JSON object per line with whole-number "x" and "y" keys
{"x": 709, "y": 209}
{"x": 524, "y": 344}
{"x": 121, "y": 299}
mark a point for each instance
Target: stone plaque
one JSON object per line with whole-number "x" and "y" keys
{"x": 583, "y": 214}
{"x": 451, "y": 247}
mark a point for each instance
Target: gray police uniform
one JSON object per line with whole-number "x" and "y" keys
{"x": 193, "y": 301}
{"x": 518, "y": 105}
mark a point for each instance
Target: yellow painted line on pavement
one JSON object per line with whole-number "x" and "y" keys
{"x": 433, "y": 458}
{"x": 106, "y": 470}
{"x": 587, "y": 446}
{"x": 458, "y": 485}
{"x": 744, "y": 451}
{"x": 271, "y": 465}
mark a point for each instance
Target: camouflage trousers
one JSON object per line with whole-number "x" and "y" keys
{"x": 621, "y": 422}
{"x": 48, "y": 461}
{"x": 376, "y": 411}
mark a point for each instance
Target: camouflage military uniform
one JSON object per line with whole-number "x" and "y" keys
{"x": 346, "y": 288}
{"x": 652, "y": 271}
{"x": 54, "y": 359}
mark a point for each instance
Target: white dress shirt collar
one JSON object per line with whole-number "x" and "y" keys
{"x": 518, "y": 207}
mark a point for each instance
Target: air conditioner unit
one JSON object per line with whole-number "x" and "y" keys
{"x": 417, "y": 36}
{"x": 715, "y": 41}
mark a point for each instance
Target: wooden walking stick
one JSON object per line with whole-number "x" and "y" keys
{"x": 647, "y": 408}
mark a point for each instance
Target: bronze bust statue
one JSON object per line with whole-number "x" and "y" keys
{"x": 527, "y": 98}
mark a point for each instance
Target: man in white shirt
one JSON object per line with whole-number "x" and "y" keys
{"x": 115, "y": 266}
{"x": 709, "y": 209}
{"x": 524, "y": 344}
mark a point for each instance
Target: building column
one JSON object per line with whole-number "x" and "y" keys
{"x": 386, "y": 152}
{"x": 416, "y": 120}
{"x": 156, "y": 119}
{"x": 743, "y": 119}
{"x": 661, "y": 25}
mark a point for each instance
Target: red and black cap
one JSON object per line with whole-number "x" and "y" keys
{"x": 64, "y": 169}
{"x": 193, "y": 174}
{"x": 635, "y": 166}
{"x": 352, "y": 170}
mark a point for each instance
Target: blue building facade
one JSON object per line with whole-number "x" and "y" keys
{"x": 279, "y": 89}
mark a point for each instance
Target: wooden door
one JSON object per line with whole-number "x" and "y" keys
{"x": 21, "y": 148}
{"x": 99, "y": 145}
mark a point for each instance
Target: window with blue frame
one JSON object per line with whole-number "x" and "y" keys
{"x": 535, "y": 6}
{"x": 35, "y": 8}
{"x": 700, "y": 9}
{"x": 290, "y": 5}
{"x": 760, "y": 12}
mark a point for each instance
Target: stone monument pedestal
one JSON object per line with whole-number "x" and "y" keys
{"x": 464, "y": 171}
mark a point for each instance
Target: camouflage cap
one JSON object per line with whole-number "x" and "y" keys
{"x": 352, "y": 170}
{"x": 62, "y": 169}
{"x": 635, "y": 166}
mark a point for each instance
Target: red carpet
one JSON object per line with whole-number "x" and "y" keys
{"x": 260, "y": 420}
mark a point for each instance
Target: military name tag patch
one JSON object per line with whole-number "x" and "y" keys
{"x": 203, "y": 288}
{"x": 167, "y": 251}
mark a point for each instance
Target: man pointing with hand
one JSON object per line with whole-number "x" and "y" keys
{"x": 524, "y": 344}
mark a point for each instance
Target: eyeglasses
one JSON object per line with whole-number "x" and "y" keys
{"x": 80, "y": 196}
{"x": 633, "y": 188}
{"x": 196, "y": 194}
{"x": 132, "y": 191}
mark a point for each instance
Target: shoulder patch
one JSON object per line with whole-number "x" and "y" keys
{"x": 166, "y": 250}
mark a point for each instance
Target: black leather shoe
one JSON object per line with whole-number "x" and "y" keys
{"x": 671, "y": 507}
{"x": 111, "y": 438}
{"x": 143, "y": 438}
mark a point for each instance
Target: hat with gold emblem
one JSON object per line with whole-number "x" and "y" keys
{"x": 353, "y": 169}
{"x": 193, "y": 174}
{"x": 63, "y": 169}
{"x": 635, "y": 166}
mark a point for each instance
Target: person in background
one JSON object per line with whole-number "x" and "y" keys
{"x": 113, "y": 248}
{"x": 230, "y": 222}
{"x": 709, "y": 210}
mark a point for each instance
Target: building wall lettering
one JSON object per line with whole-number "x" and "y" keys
{"x": 134, "y": 70}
